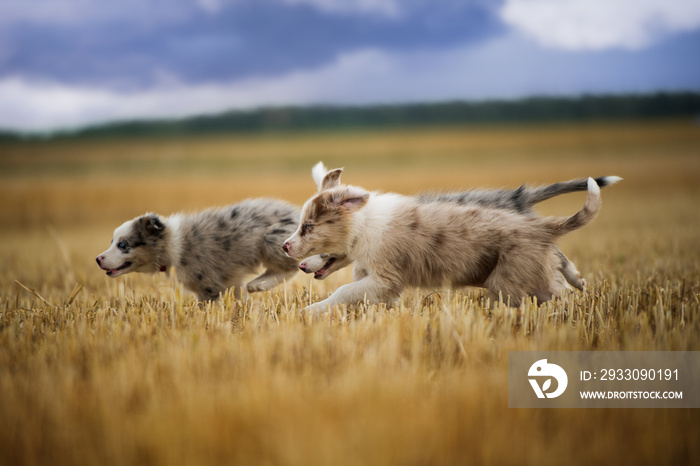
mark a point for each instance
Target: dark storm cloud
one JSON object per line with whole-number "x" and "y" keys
{"x": 182, "y": 41}
{"x": 66, "y": 63}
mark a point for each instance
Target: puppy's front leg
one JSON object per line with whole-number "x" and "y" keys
{"x": 368, "y": 288}
{"x": 269, "y": 279}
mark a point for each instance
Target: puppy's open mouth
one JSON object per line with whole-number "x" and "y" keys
{"x": 322, "y": 271}
{"x": 111, "y": 272}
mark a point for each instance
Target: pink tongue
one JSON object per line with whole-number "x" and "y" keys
{"x": 325, "y": 268}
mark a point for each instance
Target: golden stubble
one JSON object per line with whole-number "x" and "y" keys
{"x": 135, "y": 371}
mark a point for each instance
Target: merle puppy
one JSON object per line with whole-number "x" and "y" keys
{"x": 212, "y": 250}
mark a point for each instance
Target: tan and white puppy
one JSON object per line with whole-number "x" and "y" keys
{"x": 212, "y": 250}
{"x": 521, "y": 200}
{"x": 397, "y": 241}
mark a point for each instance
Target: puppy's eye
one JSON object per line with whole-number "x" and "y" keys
{"x": 121, "y": 245}
{"x": 307, "y": 226}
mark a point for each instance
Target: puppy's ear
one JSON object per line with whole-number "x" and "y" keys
{"x": 351, "y": 198}
{"x": 151, "y": 224}
{"x": 317, "y": 173}
{"x": 325, "y": 179}
{"x": 331, "y": 180}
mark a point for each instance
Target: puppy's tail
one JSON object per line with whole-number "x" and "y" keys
{"x": 532, "y": 196}
{"x": 561, "y": 226}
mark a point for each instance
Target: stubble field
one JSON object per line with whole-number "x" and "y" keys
{"x": 134, "y": 370}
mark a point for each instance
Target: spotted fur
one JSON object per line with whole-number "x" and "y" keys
{"x": 212, "y": 250}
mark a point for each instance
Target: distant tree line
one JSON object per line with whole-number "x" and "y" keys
{"x": 314, "y": 118}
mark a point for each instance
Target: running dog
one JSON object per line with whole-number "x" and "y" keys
{"x": 397, "y": 241}
{"x": 212, "y": 250}
{"x": 519, "y": 200}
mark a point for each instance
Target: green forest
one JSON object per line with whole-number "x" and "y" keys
{"x": 532, "y": 110}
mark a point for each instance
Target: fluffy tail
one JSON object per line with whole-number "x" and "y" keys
{"x": 561, "y": 226}
{"x": 521, "y": 199}
{"x": 542, "y": 193}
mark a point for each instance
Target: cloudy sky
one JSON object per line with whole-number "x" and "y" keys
{"x": 66, "y": 63}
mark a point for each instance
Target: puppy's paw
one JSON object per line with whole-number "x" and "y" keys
{"x": 260, "y": 285}
{"x": 252, "y": 288}
{"x": 316, "y": 310}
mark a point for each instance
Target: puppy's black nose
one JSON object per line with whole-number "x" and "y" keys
{"x": 286, "y": 246}
{"x": 99, "y": 260}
